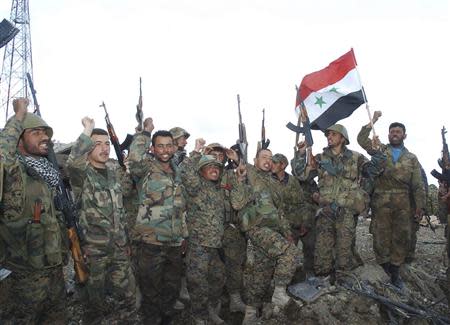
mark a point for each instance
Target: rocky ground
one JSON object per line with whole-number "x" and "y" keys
{"x": 343, "y": 306}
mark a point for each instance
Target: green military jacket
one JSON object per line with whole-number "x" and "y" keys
{"x": 292, "y": 200}
{"x": 401, "y": 177}
{"x": 27, "y": 244}
{"x": 160, "y": 219}
{"x": 100, "y": 199}
{"x": 339, "y": 177}
{"x": 205, "y": 205}
{"x": 260, "y": 202}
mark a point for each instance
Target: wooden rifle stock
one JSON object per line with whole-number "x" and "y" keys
{"x": 79, "y": 265}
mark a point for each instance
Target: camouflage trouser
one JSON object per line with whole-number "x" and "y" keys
{"x": 159, "y": 278}
{"x": 308, "y": 237}
{"x": 415, "y": 226}
{"x": 335, "y": 235}
{"x": 205, "y": 278}
{"x": 274, "y": 257}
{"x": 235, "y": 249}
{"x": 391, "y": 218}
{"x": 35, "y": 297}
{"x": 109, "y": 273}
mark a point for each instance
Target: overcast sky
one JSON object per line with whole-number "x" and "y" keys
{"x": 195, "y": 56}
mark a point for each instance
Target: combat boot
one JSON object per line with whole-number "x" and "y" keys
{"x": 395, "y": 277}
{"x": 184, "y": 293}
{"x": 214, "y": 312}
{"x": 236, "y": 303}
{"x": 386, "y": 267}
{"x": 280, "y": 298}
{"x": 250, "y": 316}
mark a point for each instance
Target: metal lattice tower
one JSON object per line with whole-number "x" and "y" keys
{"x": 17, "y": 60}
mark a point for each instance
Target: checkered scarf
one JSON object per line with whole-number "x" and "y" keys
{"x": 43, "y": 168}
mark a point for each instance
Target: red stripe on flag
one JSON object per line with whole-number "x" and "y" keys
{"x": 334, "y": 72}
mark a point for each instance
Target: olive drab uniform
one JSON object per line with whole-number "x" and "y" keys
{"x": 99, "y": 194}
{"x": 341, "y": 199}
{"x": 392, "y": 209}
{"x": 266, "y": 228}
{"x": 205, "y": 212}
{"x": 158, "y": 232}
{"x": 33, "y": 248}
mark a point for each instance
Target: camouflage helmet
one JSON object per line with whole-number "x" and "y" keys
{"x": 339, "y": 129}
{"x": 33, "y": 121}
{"x": 178, "y": 132}
{"x": 216, "y": 146}
{"x": 206, "y": 160}
{"x": 278, "y": 157}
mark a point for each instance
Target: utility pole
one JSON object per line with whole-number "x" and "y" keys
{"x": 17, "y": 60}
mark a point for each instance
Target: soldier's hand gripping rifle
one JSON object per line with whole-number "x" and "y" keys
{"x": 303, "y": 127}
{"x": 264, "y": 143}
{"x": 242, "y": 141}
{"x": 65, "y": 204}
{"x": 113, "y": 136}
{"x": 139, "y": 112}
{"x": 444, "y": 163}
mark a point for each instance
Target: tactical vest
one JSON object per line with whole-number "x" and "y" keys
{"x": 339, "y": 182}
{"x": 27, "y": 243}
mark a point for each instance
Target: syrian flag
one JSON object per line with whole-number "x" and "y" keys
{"x": 333, "y": 93}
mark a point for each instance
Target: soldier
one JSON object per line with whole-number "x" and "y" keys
{"x": 269, "y": 234}
{"x": 341, "y": 199}
{"x": 294, "y": 207}
{"x": 205, "y": 213}
{"x": 234, "y": 243}
{"x": 29, "y": 226}
{"x": 180, "y": 137}
{"x": 444, "y": 212}
{"x": 159, "y": 228}
{"x": 392, "y": 197}
{"x": 99, "y": 190}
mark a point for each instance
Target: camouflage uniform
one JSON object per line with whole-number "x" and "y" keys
{"x": 234, "y": 243}
{"x": 158, "y": 231}
{"x": 394, "y": 191}
{"x": 341, "y": 199}
{"x": 266, "y": 228}
{"x": 99, "y": 194}
{"x": 205, "y": 211}
{"x": 33, "y": 250}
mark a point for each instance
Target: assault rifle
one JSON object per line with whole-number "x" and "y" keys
{"x": 399, "y": 308}
{"x": 139, "y": 112}
{"x": 65, "y": 204}
{"x": 444, "y": 162}
{"x": 242, "y": 141}
{"x": 113, "y": 137}
{"x": 303, "y": 119}
{"x": 264, "y": 143}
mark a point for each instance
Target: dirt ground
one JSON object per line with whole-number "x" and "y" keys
{"x": 341, "y": 306}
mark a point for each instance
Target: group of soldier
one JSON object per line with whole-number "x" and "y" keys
{"x": 169, "y": 225}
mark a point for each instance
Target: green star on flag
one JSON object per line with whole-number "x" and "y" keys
{"x": 319, "y": 101}
{"x": 334, "y": 90}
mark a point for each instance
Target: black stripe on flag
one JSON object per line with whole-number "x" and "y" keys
{"x": 341, "y": 109}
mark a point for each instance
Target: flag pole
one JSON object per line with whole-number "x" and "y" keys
{"x": 364, "y": 96}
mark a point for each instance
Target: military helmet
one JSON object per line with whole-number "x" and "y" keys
{"x": 278, "y": 157}
{"x": 208, "y": 160}
{"x": 178, "y": 132}
{"x": 216, "y": 146}
{"x": 33, "y": 121}
{"x": 340, "y": 129}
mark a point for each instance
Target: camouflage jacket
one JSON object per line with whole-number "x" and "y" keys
{"x": 260, "y": 202}
{"x": 160, "y": 219}
{"x": 340, "y": 176}
{"x": 27, "y": 244}
{"x": 292, "y": 200}
{"x": 404, "y": 176}
{"x": 205, "y": 205}
{"x": 100, "y": 199}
